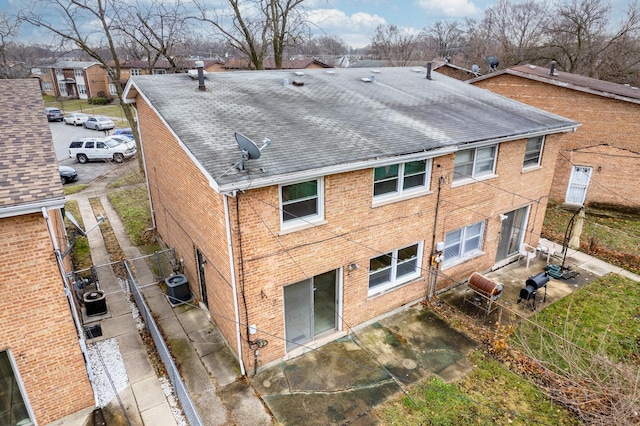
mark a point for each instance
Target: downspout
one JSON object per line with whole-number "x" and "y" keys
{"x": 68, "y": 293}
{"x": 232, "y": 270}
{"x": 433, "y": 264}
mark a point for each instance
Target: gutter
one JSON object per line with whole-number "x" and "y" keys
{"x": 289, "y": 178}
{"x": 234, "y": 288}
{"x": 24, "y": 209}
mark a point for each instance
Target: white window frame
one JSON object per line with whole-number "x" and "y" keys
{"x": 47, "y": 86}
{"x": 134, "y": 71}
{"x": 82, "y": 89}
{"x": 78, "y": 73}
{"x": 63, "y": 89}
{"x": 303, "y": 221}
{"x": 160, "y": 71}
{"x": 463, "y": 254}
{"x": 112, "y": 89}
{"x": 395, "y": 281}
{"x": 22, "y": 390}
{"x": 401, "y": 192}
{"x": 528, "y": 163}
{"x": 475, "y": 174}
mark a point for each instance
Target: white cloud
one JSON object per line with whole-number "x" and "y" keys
{"x": 449, "y": 8}
{"x": 356, "y": 30}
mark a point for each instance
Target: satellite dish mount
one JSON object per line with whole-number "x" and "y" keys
{"x": 249, "y": 149}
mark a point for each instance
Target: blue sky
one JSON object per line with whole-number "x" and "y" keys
{"x": 355, "y": 21}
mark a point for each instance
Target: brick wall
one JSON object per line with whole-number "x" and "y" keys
{"x": 189, "y": 213}
{"x": 608, "y": 139}
{"x": 36, "y": 323}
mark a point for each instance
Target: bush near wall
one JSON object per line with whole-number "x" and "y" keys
{"x": 98, "y": 101}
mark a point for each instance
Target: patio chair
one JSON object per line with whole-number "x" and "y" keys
{"x": 528, "y": 252}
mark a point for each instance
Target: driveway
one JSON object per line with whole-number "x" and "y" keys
{"x": 63, "y": 134}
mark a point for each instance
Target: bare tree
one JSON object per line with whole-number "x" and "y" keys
{"x": 581, "y": 43}
{"x": 396, "y": 46}
{"x": 155, "y": 31}
{"x": 445, "y": 38}
{"x": 9, "y": 30}
{"x": 255, "y": 27}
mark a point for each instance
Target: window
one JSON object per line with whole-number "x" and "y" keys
{"x": 301, "y": 203}
{"x": 59, "y": 72}
{"x": 135, "y": 71}
{"x": 397, "y": 179}
{"x": 47, "y": 86}
{"x": 112, "y": 89}
{"x": 157, "y": 72}
{"x": 82, "y": 89}
{"x": 63, "y": 89}
{"x": 463, "y": 243}
{"x": 394, "y": 268}
{"x": 533, "y": 152}
{"x": 77, "y": 73}
{"x": 474, "y": 163}
{"x": 13, "y": 407}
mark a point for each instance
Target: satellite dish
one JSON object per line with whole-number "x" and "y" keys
{"x": 250, "y": 150}
{"x": 75, "y": 224}
{"x": 493, "y": 62}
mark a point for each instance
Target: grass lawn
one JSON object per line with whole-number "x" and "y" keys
{"x": 132, "y": 205}
{"x": 80, "y": 255}
{"x": 81, "y": 105}
{"x": 609, "y": 235}
{"x": 489, "y": 395}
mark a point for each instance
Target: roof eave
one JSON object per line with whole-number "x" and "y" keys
{"x": 30, "y": 208}
{"x": 289, "y": 178}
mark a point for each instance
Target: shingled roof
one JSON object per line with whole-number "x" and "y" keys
{"x": 607, "y": 89}
{"x": 29, "y": 177}
{"x": 325, "y": 122}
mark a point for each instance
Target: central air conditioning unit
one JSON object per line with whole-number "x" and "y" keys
{"x": 178, "y": 288}
{"x": 95, "y": 303}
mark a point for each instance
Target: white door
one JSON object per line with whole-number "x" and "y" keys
{"x": 578, "y": 184}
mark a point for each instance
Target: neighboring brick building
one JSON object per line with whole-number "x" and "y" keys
{"x": 338, "y": 222}
{"x": 74, "y": 79}
{"x": 43, "y": 376}
{"x": 599, "y": 163}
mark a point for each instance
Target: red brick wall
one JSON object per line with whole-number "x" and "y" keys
{"x": 36, "y": 323}
{"x": 612, "y": 125}
{"x": 188, "y": 212}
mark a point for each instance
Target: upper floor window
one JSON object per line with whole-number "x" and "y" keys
{"x": 58, "y": 72}
{"x": 463, "y": 243}
{"x": 394, "y": 268}
{"x": 77, "y": 73}
{"x": 398, "y": 179}
{"x": 134, "y": 71}
{"x": 474, "y": 162}
{"x": 302, "y": 203}
{"x": 159, "y": 71}
{"x": 533, "y": 152}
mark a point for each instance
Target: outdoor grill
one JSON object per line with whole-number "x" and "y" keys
{"x": 483, "y": 292}
{"x": 532, "y": 285}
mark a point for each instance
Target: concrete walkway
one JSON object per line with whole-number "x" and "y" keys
{"x": 210, "y": 372}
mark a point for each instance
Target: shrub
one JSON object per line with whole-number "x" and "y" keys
{"x": 98, "y": 101}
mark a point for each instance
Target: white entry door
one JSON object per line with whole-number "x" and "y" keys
{"x": 578, "y": 184}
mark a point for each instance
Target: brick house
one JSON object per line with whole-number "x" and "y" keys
{"x": 598, "y": 163}
{"x": 43, "y": 376}
{"x": 75, "y": 79}
{"x": 342, "y": 217}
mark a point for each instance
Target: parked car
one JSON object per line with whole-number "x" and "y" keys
{"x": 99, "y": 122}
{"x": 67, "y": 174}
{"x": 124, "y": 132}
{"x": 54, "y": 114}
{"x": 87, "y": 149}
{"x": 76, "y": 118}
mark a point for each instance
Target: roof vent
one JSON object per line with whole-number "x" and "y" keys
{"x": 552, "y": 70}
{"x": 298, "y": 83}
{"x": 428, "y": 70}
{"x": 299, "y": 73}
{"x": 366, "y": 80}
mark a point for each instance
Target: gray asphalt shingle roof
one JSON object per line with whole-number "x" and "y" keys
{"x": 28, "y": 167}
{"x": 333, "y": 119}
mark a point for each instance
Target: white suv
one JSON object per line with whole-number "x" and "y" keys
{"x": 109, "y": 148}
